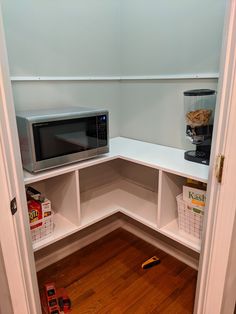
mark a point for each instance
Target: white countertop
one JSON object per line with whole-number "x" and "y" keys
{"x": 157, "y": 156}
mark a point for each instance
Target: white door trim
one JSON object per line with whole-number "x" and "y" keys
{"x": 15, "y": 234}
{"x": 6, "y": 306}
{"x": 11, "y": 257}
{"x": 222, "y": 197}
{"x": 229, "y": 298}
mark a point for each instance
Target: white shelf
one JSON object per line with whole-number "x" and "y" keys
{"x": 121, "y": 196}
{"x": 62, "y": 228}
{"x": 172, "y": 231}
{"x": 104, "y": 192}
{"x": 98, "y": 209}
{"x": 156, "y": 156}
{"x": 43, "y": 175}
{"x": 160, "y": 157}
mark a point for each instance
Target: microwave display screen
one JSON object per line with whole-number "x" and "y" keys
{"x": 58, "y": 138}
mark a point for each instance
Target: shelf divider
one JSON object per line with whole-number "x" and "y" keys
{"x": 171, "y": 186}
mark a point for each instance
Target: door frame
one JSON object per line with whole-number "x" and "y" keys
{"x": 11, "y": 259}
{"x": 221, "y": 206}
{"x": 14, "y": 230}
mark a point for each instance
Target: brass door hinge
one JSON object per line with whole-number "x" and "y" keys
{"x": 219, "y": 167}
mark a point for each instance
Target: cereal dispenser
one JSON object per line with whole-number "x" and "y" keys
{"x": 199, "y": 106}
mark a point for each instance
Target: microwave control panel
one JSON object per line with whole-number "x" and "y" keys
{"x": 102, "y": 130}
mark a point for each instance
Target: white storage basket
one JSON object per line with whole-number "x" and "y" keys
{"x": 190, "y": 218}
{"x": 42, "y": 231}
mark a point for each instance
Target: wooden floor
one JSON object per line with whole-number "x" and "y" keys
{"x": 106, "y": 277}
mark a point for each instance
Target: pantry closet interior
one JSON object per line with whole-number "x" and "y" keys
{"x": 135, "y": 59}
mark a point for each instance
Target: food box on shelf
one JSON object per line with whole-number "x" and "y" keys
{"x": 40, "y": 214}
{"x": 194, "y": 196}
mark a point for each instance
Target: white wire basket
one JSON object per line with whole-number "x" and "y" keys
{"x": 190, "y": 218}
{"x": 42, "y": 228}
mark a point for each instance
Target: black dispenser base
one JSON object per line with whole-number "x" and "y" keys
{"x": 200, "y": 157}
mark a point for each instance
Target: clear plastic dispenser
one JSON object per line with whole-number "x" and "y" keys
{"x": 199, "y": 106}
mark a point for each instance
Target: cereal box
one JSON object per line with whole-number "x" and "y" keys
{"x": 35, "y": 213}
{"x": 196, "y": 197}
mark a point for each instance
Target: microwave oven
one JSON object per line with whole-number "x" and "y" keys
{"x": 50, "y": 138}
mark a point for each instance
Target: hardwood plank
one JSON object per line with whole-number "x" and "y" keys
{"x": 106, "y": 277}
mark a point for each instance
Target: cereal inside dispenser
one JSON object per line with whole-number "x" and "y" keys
{"x": 199, "y": 105}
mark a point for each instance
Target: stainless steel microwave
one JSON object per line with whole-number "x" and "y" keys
{"x": 50, "y": 138}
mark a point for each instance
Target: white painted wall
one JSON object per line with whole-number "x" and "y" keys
{"x": 63, "y": 38}
{"x": 59, "y": 94}
{"x": 166, "y": 37}
{"x": 115, "y": 37}
{"x": 79, "y": 37}
{"x": 154, "y": 112}
{"x": 171, "y": 37}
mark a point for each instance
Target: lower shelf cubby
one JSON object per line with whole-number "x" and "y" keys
{"x": 172, "y": 231}
{"x": 63, "y": 192}
{"x": 119, "y": 186}
{"x": 62, "y": 228}
{"x": 171, "y": 186}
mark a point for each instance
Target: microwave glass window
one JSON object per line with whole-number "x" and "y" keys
{"x": 58, "y": 138}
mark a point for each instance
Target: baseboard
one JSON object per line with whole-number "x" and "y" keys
{"x": 67, "y": 246}
{"x": 191, "y": 259}
{"x": 43, "y": 259}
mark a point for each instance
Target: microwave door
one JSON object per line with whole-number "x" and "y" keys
{"x": 64, "y": 137}
{"x": 78, "y": 139}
